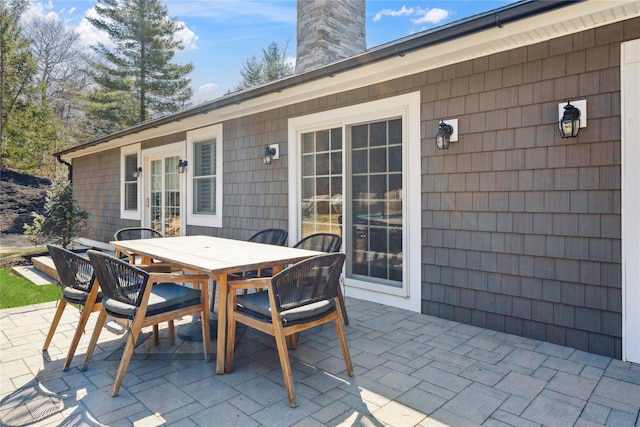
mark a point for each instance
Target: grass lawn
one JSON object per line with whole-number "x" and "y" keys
{"x": 17, "y": 291}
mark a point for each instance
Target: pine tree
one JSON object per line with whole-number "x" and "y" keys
{"x": 28, "y": 129}
{"x": 272, "y": 66}
{"x": 138, "y": 71}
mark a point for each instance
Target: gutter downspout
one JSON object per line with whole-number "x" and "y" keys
{"x": 69, "y": 167}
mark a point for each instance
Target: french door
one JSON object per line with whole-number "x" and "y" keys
{"x": 164, "y": 194}
{"x": 370, "y": 210}
{"x": 355, "y": 171}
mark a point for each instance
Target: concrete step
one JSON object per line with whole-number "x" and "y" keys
{"x": 34, "y": 275}
{"x": 45, "y": 265}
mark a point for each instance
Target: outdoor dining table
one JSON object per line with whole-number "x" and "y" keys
{"x": 216, "y": 257}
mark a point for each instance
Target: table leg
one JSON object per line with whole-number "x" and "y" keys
{"x": 222, "y": 323}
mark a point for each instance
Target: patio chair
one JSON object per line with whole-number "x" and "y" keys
{"x": 138, "y": 299}
{"x": 326, "y": 242}
{"x": 79, "y": 287}
{"x": 135, "y": 233}
{"x": 301, "y": 297}
{"x": 270, "y": 236}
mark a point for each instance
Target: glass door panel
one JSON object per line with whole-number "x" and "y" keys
{"x": 322, "y": 182}
{"x": 164, "y": 200}
{"x": 374, "y": 208}
{"x": 376, "y": 203}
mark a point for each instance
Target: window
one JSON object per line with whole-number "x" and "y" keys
{"x": 205, "y": 176}
{"x": 130, "y": 189}
{"x": 355, "y": 171}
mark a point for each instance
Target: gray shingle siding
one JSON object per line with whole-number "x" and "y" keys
{"x": 521, "y": 229}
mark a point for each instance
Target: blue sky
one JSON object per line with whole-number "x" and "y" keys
{"x": 220, "y": 35}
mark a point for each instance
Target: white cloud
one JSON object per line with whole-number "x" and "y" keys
{"x": 205, "y": 93}
{"x": 39, "y": 10}
{"x": 90, "y": 35}
{"x": 404, "y": 11}
{"x": 432, "y": 16}
{"x": 187, "y": 37}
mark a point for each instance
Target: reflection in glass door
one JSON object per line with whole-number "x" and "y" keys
{"x": 371, "y": 211}
{"x": 322, "y": 182}
{"x": 376, "y": 203}
{"x": 164, "y": 200}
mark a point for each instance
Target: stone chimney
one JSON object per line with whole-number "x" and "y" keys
{"x": 329, "y": 30}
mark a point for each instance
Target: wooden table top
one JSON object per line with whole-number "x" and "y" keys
{"x": 214, "y": 254}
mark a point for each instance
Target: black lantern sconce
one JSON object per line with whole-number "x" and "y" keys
{"x": 137, "y": 172}
{"x": 447, "y": 132}
{"x": 182, "y": 166}
{"x": 271, "y": 153}
{"x": 572, "y": 117}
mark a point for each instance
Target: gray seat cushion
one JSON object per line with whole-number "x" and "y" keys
{"x": 73, "y": 296}
{"x": 164, "y": 297}
{"x": 257, "y": 305}
{"x": 76, "y": 296}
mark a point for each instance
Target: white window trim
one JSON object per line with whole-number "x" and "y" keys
{"x": 130, "y": 214}
{"x": 194, "y": 136}
{"x": 408, "y": 107}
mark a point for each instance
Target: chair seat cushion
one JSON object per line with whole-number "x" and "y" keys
{"x": 73, "y": 296}
{"x": 76, "y": 296}
{"x": 164, "y": 297}
{"x": 257, "y": 305}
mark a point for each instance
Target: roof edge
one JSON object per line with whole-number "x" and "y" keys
{"x": 493, "y": 18}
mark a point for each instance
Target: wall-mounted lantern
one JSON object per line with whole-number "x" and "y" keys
{"x": 447, "y": 132}
{"x": 271, "y": 153}
{"x": 137, "y": 172}
{"x": 572, "y": 117}
{"x": 182, "y": 166}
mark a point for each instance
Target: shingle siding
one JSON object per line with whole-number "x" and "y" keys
{"x": 549, "y": 256}
{"x": 521, "y": 229}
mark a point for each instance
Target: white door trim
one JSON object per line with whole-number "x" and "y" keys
{"x": 630, "y": 143}
{"x": 179, "y": 148}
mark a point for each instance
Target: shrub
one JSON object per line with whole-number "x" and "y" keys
{"x": 63, "y": 218}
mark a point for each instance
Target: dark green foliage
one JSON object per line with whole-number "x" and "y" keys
{"x": 136, "y": 80}
{"x": 272, "y": 66}
{"x": 63, "y": 218}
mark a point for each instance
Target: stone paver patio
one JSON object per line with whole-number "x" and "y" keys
{"x": 410, "y": 370}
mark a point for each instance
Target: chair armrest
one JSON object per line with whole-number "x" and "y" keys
{"x": 258, "y": 282}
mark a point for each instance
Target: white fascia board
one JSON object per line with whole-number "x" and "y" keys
{"x": 577, "y": 17}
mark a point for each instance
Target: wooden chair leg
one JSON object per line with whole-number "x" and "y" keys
{"x": 172, "y": 332}
{"x": 94, "y": 338}
{"x": 231, "y": 333}
{"x": 343, "y": 344}
{"x": 54, "y": 324}
{"x": 156, "y": 335}
{"x": 292, "y": 341}
{"x": 343, "y": 307}
{"x": 283, "y": 353}
{"x": 126, "y": 356}
{"x": 84, "y": 317}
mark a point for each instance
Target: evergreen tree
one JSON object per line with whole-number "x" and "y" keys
{"x": 27, "y": 126}
{"x": 63, "y": 218}
{"x": 138, "y": 71}
{"x": 272, "y": 66}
